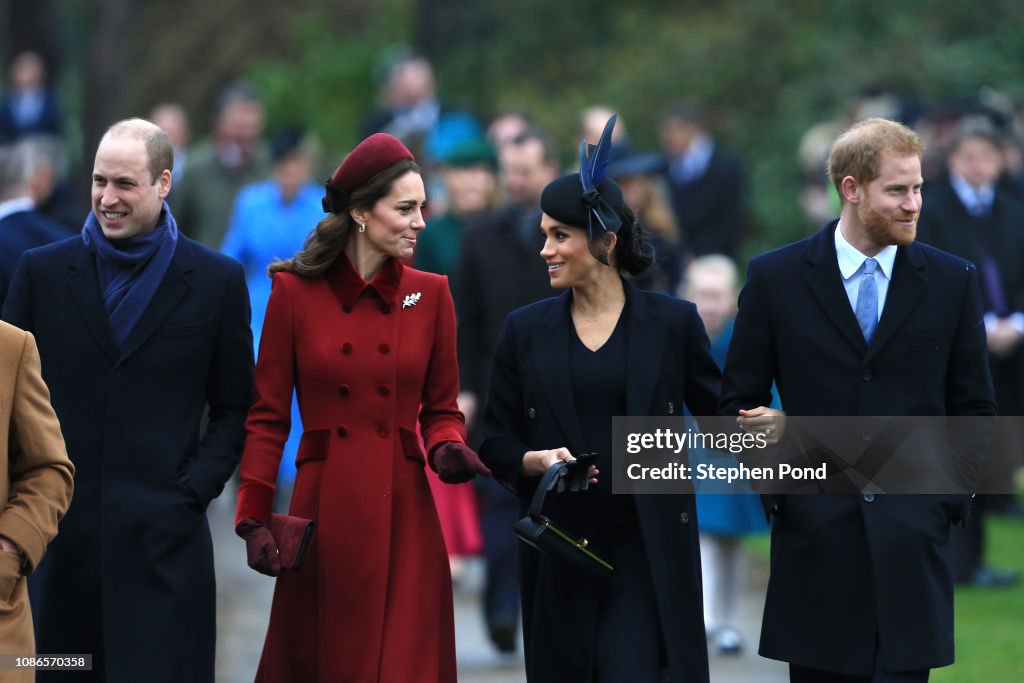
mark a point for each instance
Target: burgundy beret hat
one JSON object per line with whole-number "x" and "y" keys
{"x": 376, "y": 153}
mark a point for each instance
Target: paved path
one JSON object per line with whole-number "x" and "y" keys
{"x": 243, "y": 608}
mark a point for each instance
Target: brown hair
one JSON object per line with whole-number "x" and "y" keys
{"x": 328, "y": 239}
{"x": 858, "y": 151}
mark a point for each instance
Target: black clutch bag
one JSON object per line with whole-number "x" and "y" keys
{"x": 540, "y": 532}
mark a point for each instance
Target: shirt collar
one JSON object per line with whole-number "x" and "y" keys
{"x": 348, "y": 286}
{"x": 850, "y": 260}
{"x": 976, "y": 199}
{"x": 15, "y": 205}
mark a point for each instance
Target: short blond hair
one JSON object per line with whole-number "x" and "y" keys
{"x": 858, "y": 151}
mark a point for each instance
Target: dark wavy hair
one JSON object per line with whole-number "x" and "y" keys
{"x": 328, "y": 239}
{"x": 633, "y": 254}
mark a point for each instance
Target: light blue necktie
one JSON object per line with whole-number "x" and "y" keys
{"x": 867, "y": 300}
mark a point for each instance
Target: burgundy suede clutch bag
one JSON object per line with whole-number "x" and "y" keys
{"x": 292, "y": 536}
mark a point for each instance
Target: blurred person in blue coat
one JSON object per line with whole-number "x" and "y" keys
{"x": 269, "y": 222}
{"x": 711, "y": 283}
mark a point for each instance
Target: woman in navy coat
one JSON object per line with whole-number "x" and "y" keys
{"x": 562, "y": 369}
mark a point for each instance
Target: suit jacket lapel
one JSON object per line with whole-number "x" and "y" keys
{"x": 907, "y": 287}
{"x": 826, "y": 284}
{"x": 551, "y": 357}
{"x": 84, "y": 286}
{"x": 643, "y": 360}
{"x": 172, "y": 289}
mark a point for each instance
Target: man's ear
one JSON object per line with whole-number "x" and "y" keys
{"x": 850, "y": 190}
{"x": 164, "y": 184}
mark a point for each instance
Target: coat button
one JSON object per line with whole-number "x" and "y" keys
{"x": 347, "y": 308}
{"x": 532, "y": 413}
{"x": 866, "y": 374}
{"x": 670, "y": 408}
{"x": 384, "y": 348}
{"x": 684, "y": 518}
{"x": 346, "y": 348}
{"x": 869, "y": 497}
{"x": 383, "y": 390}
{"x": 866, "y": 435}
{"x": 343, "y": 390}
{"x": 383, "y": 432}
{"x": 341, "y": 430}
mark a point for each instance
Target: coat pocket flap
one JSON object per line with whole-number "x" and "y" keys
{"x": 313, "y": 446}
{"x": 411, "y": 445}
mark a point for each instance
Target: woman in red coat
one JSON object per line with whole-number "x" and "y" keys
{"x": 369, "y": 345}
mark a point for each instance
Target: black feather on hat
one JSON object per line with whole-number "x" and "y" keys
{"x": 587, "y": 199}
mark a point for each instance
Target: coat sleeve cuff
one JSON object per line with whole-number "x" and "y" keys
{"x": 254, "y": 502}
{"x": 26, "y": 536}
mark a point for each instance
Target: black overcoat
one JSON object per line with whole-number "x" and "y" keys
{"x": 131, "y": 571}
{"x": 530, "y": 407}
{"x": 850, "y": 571}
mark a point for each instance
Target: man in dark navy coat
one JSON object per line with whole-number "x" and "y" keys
{"x": 861, "y": 320}
{"x": 139, "y": 329}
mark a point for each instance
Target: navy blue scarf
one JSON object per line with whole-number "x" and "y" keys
{"x": 131, "y": 270}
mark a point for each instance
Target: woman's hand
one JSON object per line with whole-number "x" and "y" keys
{"x": 536, "y": 463}
{"x": 762, "y": 420}
{"x": 456, "y": 463}
{"x": 260, "y": 548}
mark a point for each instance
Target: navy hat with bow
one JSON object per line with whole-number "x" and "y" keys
{"x": 587, "y": 199}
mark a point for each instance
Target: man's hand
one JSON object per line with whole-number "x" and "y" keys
{"x": 762, "y": 420}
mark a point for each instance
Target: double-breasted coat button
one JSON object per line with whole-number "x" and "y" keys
{"x": 383, "y": 432}
{"x": 346, "y": 348}
{"x": 384, "y": 348}
{"x": 383, "y": 390}
{"x": 347, "y": 308}
{"x": 869, "y": 497}
{"x": 343, "y": 390}
{"x": 670, "y": 408}
{"x": 532, "y": 413}
{"x": 684, "y": 518}
{"x": 341, "y": 430}
{"x": 866, "y": 435}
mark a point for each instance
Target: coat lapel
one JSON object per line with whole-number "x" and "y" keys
{"x": 826, "y": 284}
{"x": 551, "y": 357}
{"x": 84, "y": 286}
{"x": 168, "y": 295}
{"x": 644, "y": 360}
{"x": 907, "y": 287}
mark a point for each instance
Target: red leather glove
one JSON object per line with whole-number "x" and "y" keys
{"x": 260, "y": 547}
{"x": 456, "y": 463}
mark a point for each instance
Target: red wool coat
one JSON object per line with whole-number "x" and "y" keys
{"x": 373, "y": 600}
